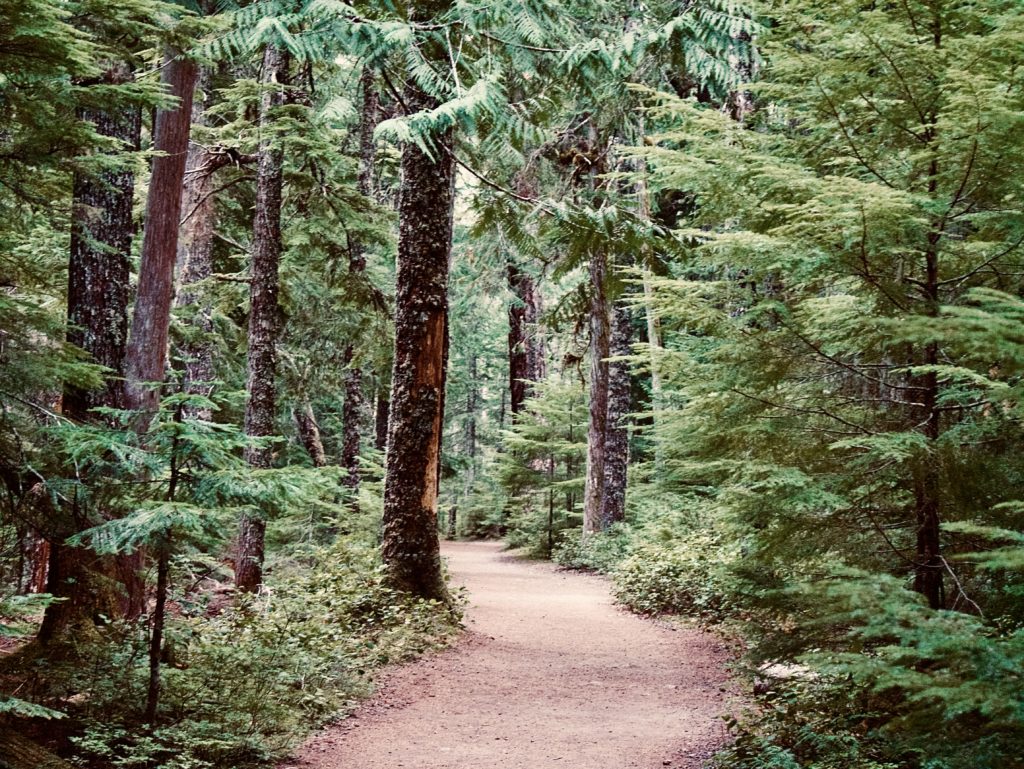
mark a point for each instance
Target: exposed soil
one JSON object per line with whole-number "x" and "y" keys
{"x": 550, "y": 674}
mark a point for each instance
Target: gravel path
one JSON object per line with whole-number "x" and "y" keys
{"x": 550, "y": 674}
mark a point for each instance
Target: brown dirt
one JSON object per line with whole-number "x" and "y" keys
{"x": 550, "y": 674}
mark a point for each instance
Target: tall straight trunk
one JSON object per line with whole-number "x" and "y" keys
{"x": 929, "y": 565}
{"x": 99, "y": 266}
{"x": 643, "y": 204}
{"x": 146, "y": 357}
{"x": 354, "y": 406}
{"x": 195, "y": 253}
{"x": 616, "y": 445}
{"x": 261, "y": 405}
{"x": 597, "y": 427}
{"x": 98, "y": 288}
{"x": 309, "y": 433}
{"x": 521, "y": 286}
{"x": 410, "y": 545}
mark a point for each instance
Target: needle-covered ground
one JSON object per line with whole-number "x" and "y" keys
{"x": 550, "y": 674}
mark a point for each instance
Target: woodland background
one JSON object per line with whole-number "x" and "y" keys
{"x": 731, "y": 302}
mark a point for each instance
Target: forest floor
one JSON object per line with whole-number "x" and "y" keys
{"x": 549, "y": 674}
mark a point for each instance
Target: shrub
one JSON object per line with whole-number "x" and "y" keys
{"x": 600, "y": 552}
{"x": 689, "y": 575}
{"x": 243, "y": 686}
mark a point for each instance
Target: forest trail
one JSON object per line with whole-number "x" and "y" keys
{"x": 549, "y": 674}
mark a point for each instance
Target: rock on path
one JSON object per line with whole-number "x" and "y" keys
{"x": 550, "y": 675}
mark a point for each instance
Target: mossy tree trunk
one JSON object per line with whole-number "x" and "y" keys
{"x": 410, "y": 545}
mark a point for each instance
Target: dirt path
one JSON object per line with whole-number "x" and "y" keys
{"x": 550, "y": 674}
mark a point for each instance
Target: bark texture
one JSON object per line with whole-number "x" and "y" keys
{"x": 521, "y": 286}
{"x": 309, "y": 434}
{"x": 99, "y": 266}
{"x": 195, "y": 253}
{"x": 616, "y": 444}
{"x": 261, "y": 405}
{"x": 410, "y": 545}
{"x": 355, "y": 406}
{"x": 147, "y": 344}
{"x": 597, "y": 427}
{"x": 98, "y": 289}
{"x": 929, "y": 564}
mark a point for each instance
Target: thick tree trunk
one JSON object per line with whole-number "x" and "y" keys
{"x": 616, "y": 443}
{"x": 410, "y": 545}
{"x": 145, "y": 362}
{"x": 98, "y": 288}
{"x": 99, "y": 267}
{"x": 354, "y": 407}
{"x": 195, "y": 254}
{"x": 597, "y": 427}
{"x": 261, "y": 405}
{"x": 309, "y": 434}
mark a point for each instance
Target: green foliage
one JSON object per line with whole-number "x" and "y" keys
{"x": 601, "y": 552}
{"x": 690, "y": 575}
{"x": 247, "y": 679}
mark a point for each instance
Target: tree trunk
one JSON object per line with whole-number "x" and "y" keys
{"x": 99, "y": 268}
{"x": 521, "y": 286}
{"x": 261, "y": 405}
{"x": 352, "y": 412}
{"x": 928, "y": 571}
{"x": 653, "y": 323}
{"x": 471, "y": 407}
{"x": 616, "y": 444}
{"x": 156, "y": 631}
{"x": 536, "y": 358}
{"x": 410, "y": 545}
{"x": 309, "y": 434}
{"x": 98, "y": 287}
{"x": 597, "y": 427}
{"x": 145, "y": 362}
{"x": 195, "y": 255}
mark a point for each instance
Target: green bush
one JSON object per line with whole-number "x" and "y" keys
{"x": 689, "y": 575}
{"x": 600, "y": 552}
{"x": 244, "y": 685}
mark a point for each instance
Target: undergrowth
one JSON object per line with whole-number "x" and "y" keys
{"x": 244, "y": 678}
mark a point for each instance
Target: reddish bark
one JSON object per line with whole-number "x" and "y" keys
{"x": 195, "y": 253}
{"x": 147, "y": 345}
{"x": 410, "y": 546}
